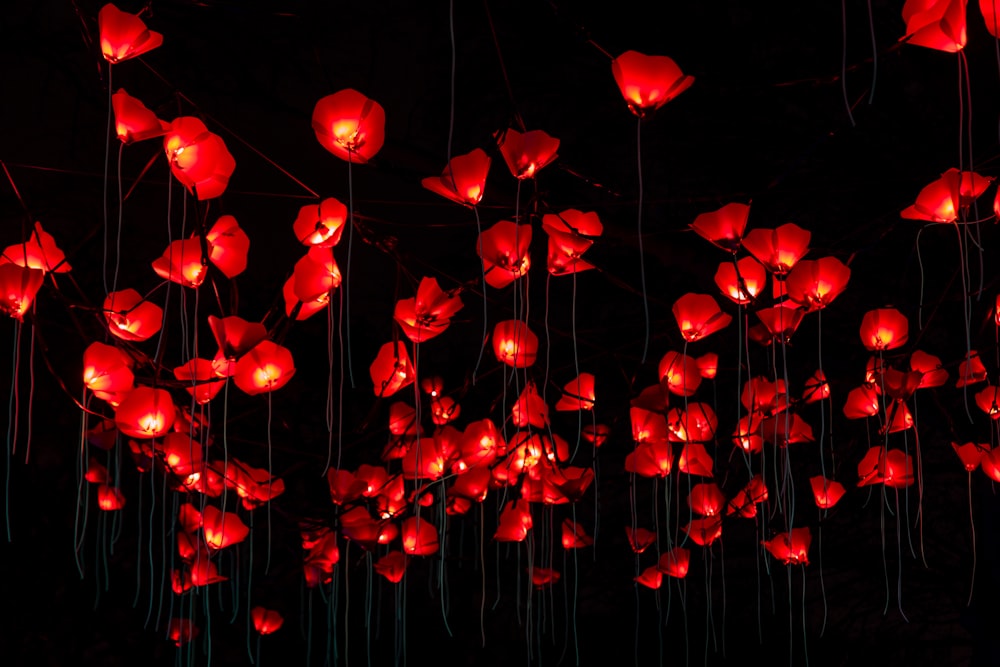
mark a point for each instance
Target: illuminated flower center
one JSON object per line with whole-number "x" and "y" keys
{"x": 474, "y": 193}
{"x": 634, "y": 94}
{"x": 91, "y": 377}
{"x": 882, "y": 338}
{"x": 151, "y": 423}
{"x": 785, "y": 260}
{"x": 15, "y": 305}
{"x": 266, "y": 375}
{"x": 348, "y": 133}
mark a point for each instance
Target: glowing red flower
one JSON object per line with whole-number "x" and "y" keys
{"x": 530, "y": 409}
{"x": 778, "y": 249}
{"x": 392, "y": 566}
{"x": 884, "y": 329}
{"x": 988, "y": 399}
{"x": 526, "y": 153}
{"x": 198, "y": 158}
{"x": 107, "y": 369}
{"x": 428, "y": 313}
{"x": 349, "y": 125}
{"x": 780, "y": 321}
{"x": 648, "y": 82}
{"x": 145, "y": 413}
{"x": 182, "y": 630}
{"x": 675, "y": 562}
{"x": 791, "y": 548}
{"x": 571, "y": 233}
{"x": 936, "y": 24}
{"x": 543, "y": 576}
{"x": 653, "y": 458}
{"x": 861, "y": 402}
{"x": 320, "y": 224}
{"x": 515, "y": 344}
{"x": 124, "y": 35}
{"x": 971, "y": 370}
{"x": 723, "y": 227}
{"x": 504, "y": 250}
{"x": 651, "y": 577}
{"x": 182, "y": 263}
{"x": 706, "y": 499}
{"x": 133, "y": 121}
{"x": 515, "y": 522}
{"x": 932, "y": 372}
{"x": 639, "y": 538}
{"x": 464, "y": 178}
{"x": 695, "y": 460}
{"x": 697, "y": 423}
{"x": 705, "y": 530}
{"x": 578, "y": 394}
{"x": 265, "y": 368}
{"x": 815, "y": 283}
{"x": 222, "y": 529}
{"x": 266, "y": 621}
{"x": 826, "y": 492}
{"x": 235, "y": 337}
{"x": 228, "y": 246}
{"x": 110, "y": 498}
{"x": 944, "y": 199}
{"x": 420, "y": 537}
{"x": 391, "y": 370}
{"x": 679, "y": 374}
{"x": 200, "y": 375}
{"x": 309, "y": 288}
{"x": 743, "y": 281}
{"x": 970, "y": 454}
{"x": 988, "y": 8}
{"x": 18, "y": 287}
{"x": 38, "y": 251}
{"x": 698, "y": 315}
{"x": 574, "y": 536}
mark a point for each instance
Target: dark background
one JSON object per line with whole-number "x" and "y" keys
{"x": 766, "y": 120}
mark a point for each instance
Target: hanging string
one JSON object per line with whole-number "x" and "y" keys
{"x": 346, "y": 280}
{"x": 104, "y": 195}
{"x": 642, "y": 254}
{"x": 843, "y": 59}
{"x": 871, "y": 27}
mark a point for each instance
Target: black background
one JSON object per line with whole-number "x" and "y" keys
{"x": 766, "y": 120}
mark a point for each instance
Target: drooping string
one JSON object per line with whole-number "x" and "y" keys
{"x": 972, "y": 530}
{"x": 12, "y": 410}
{"x": 482, "y": 269}
{"x": 270, "y": 481}
{"x": 642, "y": 254}
{"x": 899, "y": 562}
{"x": 346, "y": 279}
{"x": 329, "y": 393}
{"x": 871, "y": 28}
{"x": 843, "y": 60}
{"x": 104, "y": 195}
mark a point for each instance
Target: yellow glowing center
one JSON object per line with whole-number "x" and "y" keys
{"x": 785, "y": 259}
{"x": 151, "y": 423}
{"x": 348, "y": 133}
{"x": 266, "y": 375}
